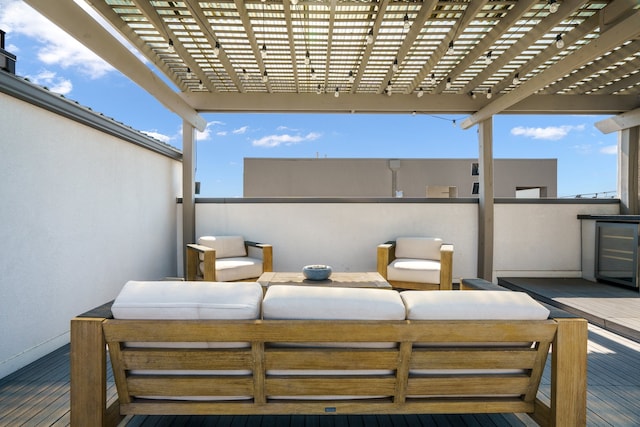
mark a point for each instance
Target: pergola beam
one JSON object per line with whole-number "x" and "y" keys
{"x": 542, "y": 27}
{"x": 164, "y": 30}
{"x": 512, "y": 15}
{"x": 620, "y": 122}
{"x": 404, "y": 103}
{"x": 416, "y": 27}
{"x": 76, "y": 22}
{"x": 382, "y": 6}
{"x": 209, "y": 33}
{"x": 467, "y": 16}
{"x": 251, "y": 36}
{"x": 615, "y": 36}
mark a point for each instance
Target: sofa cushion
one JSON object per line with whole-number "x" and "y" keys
{"x": 472, "y": 305}
{"x": 414, "y": 270}
{"x": 468, "y": 305}
{"x": 418, "y": 247}
{"x": 317, "y": 302}
{"x": 225, "y": 246}
{"x": 188, "y": 300}
{"x": 236, "y": 268}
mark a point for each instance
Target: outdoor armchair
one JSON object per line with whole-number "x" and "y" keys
{"x": 420, "y": 263}
{"x": 227, "y": 259}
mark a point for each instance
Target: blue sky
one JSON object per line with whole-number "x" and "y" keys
{"x": 587, "y": 161}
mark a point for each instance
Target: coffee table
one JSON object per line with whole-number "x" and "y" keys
{"x": 337, "y": 279}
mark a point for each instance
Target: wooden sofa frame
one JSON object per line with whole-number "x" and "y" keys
{"x": 193, "y": 252}
{"x": 387, "y": 253}
{"x": 400, "y": 392}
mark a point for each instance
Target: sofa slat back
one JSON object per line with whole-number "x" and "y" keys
{"x": 311, "y": 366}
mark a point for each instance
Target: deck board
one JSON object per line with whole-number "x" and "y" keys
{"x": 38, "y": 395}
{"x": 614, "y": 308}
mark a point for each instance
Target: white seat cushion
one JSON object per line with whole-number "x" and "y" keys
{"x": 168, "y": 300}
{"x": 472, "y": 305}
{"x": 418, "y": 247}
{"x": 236, "y": 268}
{"x": 317, "y": 302}
{"x": 414, "y": 270}
{"x": 188, "y": 300}
{"x": 225, "y": 246}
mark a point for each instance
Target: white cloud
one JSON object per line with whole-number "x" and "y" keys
{"x": 584, "y": 148}
{"x": 159, "y": 136}
{"x": 205, "y": 134}
{"x": 283, "y": 128}
{"x": 284, "y": 139}
{"x": 550, "y": 132}
{"x": 52, "y": 81}
{"x": 610, "y": 149}
{"x": 55, "y": 46}
{"x": 240, "y": 131}
{"x": 222, "y": 133}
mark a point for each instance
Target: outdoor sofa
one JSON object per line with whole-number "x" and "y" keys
{"x": 224, "y": 348}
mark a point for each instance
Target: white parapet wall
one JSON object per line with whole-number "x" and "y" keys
{"x": 82, "y": 212}
{"x": 540, "y": 238}
{"x": 341, "y": 234}
{"x": 535, "y": 238}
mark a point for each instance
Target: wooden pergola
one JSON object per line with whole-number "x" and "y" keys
{"x": 473, "y": 57}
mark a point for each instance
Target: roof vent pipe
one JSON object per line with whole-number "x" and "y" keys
{"x": 394, "y": 165}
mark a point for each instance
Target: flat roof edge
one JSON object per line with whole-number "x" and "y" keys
{"x": 415, "y": 200}
{"x": 26, "y": 91}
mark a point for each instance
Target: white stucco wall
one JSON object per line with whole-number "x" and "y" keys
{"x": 81, "y": 213}
{"x": 537, "y": 239}
{"x": 544, "y": 240}
{"x": 343, "y": 235}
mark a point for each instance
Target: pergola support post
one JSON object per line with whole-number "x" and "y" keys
{"x": 628, "y": 174}
{"x": 188, "y": 189}
{"x": 485, "y": 205}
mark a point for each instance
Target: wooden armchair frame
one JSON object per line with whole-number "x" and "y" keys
{"x": 387, "y": 253}
{"x": 209, "y": 270}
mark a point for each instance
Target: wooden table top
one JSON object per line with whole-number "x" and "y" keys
{"x": 338, "y": 279}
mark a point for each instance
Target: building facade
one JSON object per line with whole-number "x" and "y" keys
{"x": 378, "y": 177}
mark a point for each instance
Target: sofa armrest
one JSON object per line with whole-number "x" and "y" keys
{"x": 446, "y": 267}
{"x": 267, "y": 253}
{"x": 568, "y": 365}
{"x": 193, "y": 261}
{"x": 386, "y": 254}
{"x": 88, "y": 372}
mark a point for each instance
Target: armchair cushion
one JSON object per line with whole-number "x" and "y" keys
{"x": 414, "y": 270}
{"x": 236, "y": 268}
{"x": 418, "y": 247}
{"x": 225, "y": 246}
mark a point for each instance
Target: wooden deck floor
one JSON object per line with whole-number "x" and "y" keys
{"x": 38, "y": 395}
{"x": 613, "y": 308}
